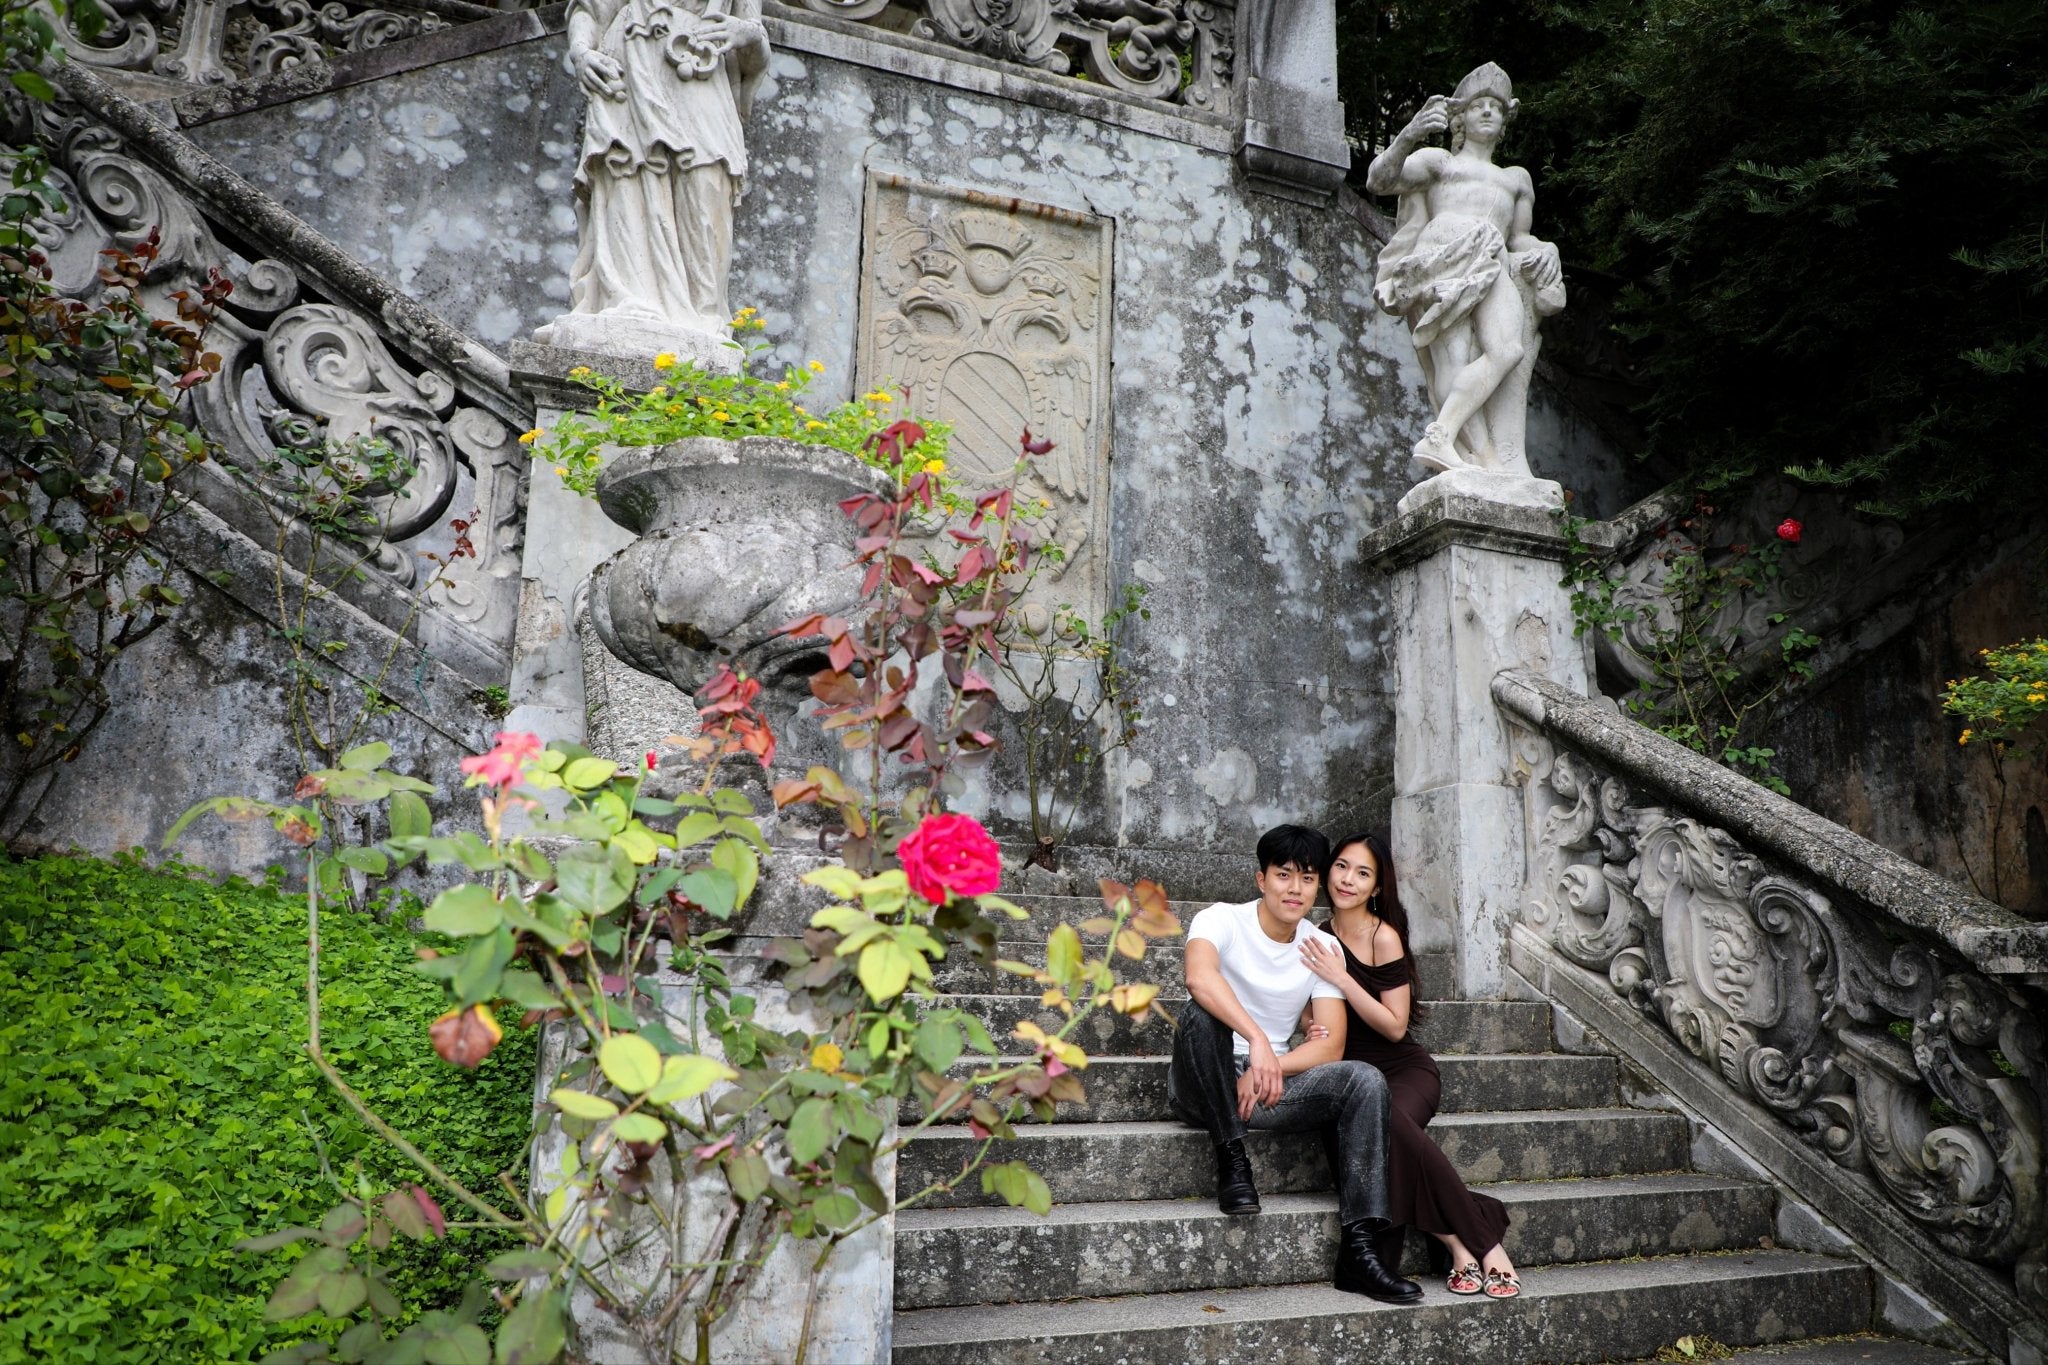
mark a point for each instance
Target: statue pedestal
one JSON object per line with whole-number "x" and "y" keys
{"x": 610, "y": 337}
{"x": 1475, "y": 590}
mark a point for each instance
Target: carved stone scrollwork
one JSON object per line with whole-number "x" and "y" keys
{"x": 327, "y": 363}
{"x": 1896, "y": 1060}
{"x": 311, "y": 373}
{"x": 212, "y": 42}
{"x": 1178, "y": 51}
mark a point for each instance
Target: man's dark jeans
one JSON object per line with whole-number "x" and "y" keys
{"x": 1350, "y": 1097}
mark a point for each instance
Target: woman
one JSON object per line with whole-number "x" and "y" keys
{"x": 1378, "y": 976}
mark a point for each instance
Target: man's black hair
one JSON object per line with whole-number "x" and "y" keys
{"x": 1306, "y": 848}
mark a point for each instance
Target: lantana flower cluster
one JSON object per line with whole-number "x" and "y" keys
{"x": 2006, "y": 701}
{"x": 685, "y": 401}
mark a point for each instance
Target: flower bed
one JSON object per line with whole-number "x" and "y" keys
{"x": 156, "y": 1106}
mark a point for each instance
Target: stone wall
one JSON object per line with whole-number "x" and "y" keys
{"x": 1258, "y": 407}
{"x": 1872, "y": 749}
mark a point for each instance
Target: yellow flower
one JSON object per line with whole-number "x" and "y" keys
{"x": 1044, "y": 505}
{"x": 673, "y": 409}
{"x": 876, "y": 397}
{"x": 2037, "y": 697}
{"x": 561, "y": 471}
{"x": 935, "y": 467}
{"x": 827, "y": 1058}
{"x": 813, "y": 425}
{"x": 801, "y": 408}
{"x": 530, "y": 437}
{"x": 782, "y": 387}
{"x": 665, "y": 361}
{"x": 720, "y": 416}
{"x": 581, "y": 371}
{"x": 1964, "y": 738}
{"x": 817, "y": 367}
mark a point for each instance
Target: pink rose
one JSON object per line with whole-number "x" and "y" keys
{"x": 1789, "y": 530}
{"x": 501, "y": 766}
{"x": 951, "y": 855}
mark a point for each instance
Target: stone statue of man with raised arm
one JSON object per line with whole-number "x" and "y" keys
{"x": 664, "y": 161}
{"x": 1466, "y": 273}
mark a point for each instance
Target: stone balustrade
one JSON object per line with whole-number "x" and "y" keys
{"x": 1830, "y": 992}
{"x": 317, "y": 352}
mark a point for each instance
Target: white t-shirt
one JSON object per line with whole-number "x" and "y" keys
{"x": 1267, "y": 978}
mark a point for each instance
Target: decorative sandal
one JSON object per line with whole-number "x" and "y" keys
{"x": 1502, "y": 1284}
{"x": 1466, "y": 1279}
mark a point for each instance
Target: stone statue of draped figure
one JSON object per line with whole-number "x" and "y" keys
{"x": 663, "y": 163}
{"x": 1467, "y": 274}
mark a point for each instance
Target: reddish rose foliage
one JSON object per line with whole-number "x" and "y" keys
{"x": 951, "y": 855}
{"x": 1790, "y": 529}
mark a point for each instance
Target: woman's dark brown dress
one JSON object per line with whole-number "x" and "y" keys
{"x": 1423, "y": 1191}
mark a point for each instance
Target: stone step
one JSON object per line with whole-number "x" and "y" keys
{"x": 1165, "y": 1246}
{"x": 1857, "y": 1350}
{"x": 960, "y": 974}
{"x": 1123, "y": 1089}
{"x": 1613, "y": 1310}
{"x": 1453, "y": 1026}
{"x": 1101, "y": 1162}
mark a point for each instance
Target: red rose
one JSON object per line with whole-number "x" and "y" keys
{"x": 1789, "y": 529}
{"x": 951, "y": 855}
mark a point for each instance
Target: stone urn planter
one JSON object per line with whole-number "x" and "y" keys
{"x": 736, "y": 540}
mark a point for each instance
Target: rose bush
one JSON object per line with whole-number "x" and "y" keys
{"x": 569, "y": 922}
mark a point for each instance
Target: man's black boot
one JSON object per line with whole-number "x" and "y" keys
{"x": 1359, "y": 1270}
{"x": 1235, "y": 1192}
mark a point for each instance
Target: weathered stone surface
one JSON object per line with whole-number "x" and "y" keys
{"x": 1255, "y": 409}
{"x": 735, "y": 540}
{"x": 1119, "y": 1161}
{"x": 1452, "y": 1025}
{"x": 1165, "y": 1246}
{"x": 1122, "y": 1089}
{"x": 1992, "y": 939}
{"x": 1980, "y": 1302}
{"x": 1578, "y": 1312}
{"x": 1475, "y": 585}
{"x": 1859, "y": 1350}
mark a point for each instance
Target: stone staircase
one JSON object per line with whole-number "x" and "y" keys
{"x": 1623, "y": 1248}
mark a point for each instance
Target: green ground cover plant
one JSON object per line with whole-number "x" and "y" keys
{"x": 156, "y": 1106}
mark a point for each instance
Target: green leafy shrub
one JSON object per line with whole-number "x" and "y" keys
{"x": 156, "y": 1106}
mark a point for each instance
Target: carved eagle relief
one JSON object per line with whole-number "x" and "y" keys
{"x": 988, "y": 322}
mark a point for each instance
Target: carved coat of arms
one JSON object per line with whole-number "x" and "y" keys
{"x": 993, "y": 316}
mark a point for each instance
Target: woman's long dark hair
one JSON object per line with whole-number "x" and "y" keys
{"x": 1386, "y": 904}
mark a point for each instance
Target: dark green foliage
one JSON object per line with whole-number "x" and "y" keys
{"x": 156, "y": 1105}
{"x": 1818, "y": 230}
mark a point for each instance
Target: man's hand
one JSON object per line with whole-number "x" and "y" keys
{"x": 1261, "y": 1082}
{"x": 599, "y": 73}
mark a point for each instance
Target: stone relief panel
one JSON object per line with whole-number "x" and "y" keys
{"x": 213, "y": 42}
{"x": 994, "y": 315}
{"x": 1177, "y": 51}
{"x": 1900, "y": 1063}
{"x": 303, "y": 374}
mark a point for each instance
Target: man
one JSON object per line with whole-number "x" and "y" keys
{"x": 1233, "y": 1069}
{"x": 1467, "y": 273}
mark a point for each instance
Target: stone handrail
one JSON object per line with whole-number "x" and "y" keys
{"x": 1868, "y": 1032}
{"x": 1992, "y": 939}
{"x": 317, "y": 352}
